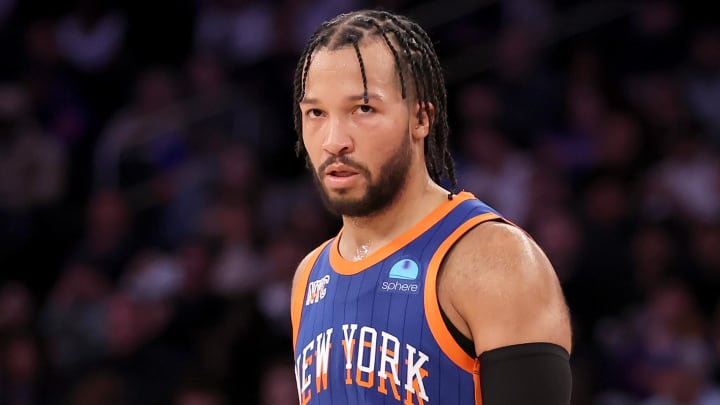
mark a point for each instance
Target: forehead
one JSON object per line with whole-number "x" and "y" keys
{"x": 343, "y": 67}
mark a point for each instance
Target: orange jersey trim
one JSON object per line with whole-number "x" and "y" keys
{"x": 476, "y": 382}
{"x": 432, "y": 307}
{"x": 296, "y": 301}
{"x": 348, "y": 268}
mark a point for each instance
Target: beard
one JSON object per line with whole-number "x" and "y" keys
{"x": 379, "y": 194}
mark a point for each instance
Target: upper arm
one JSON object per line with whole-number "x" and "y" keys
{"x": 299, "y": 284}
{"x": 501, "y": 284}
{"x": 299, "y": 271}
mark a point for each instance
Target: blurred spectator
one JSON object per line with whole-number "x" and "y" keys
{"x": 152, "y": 118}
{"x": 309, "y": 14}
{"x": 149, "y": 365}
{"x": 524, "y": 85}
{"x": 652, "y": 41}
{"x": 561, "y": 236}
{"x": 91, "y": 35}
{"x": 23, "y": 372}
{"x": 237, "y": 174}
{"x": 282, "y": 255}
{"x": 659, "y": 98}
{"x": 40, "y": 47}
{"x": 294, "y": 208}
{"x": 656, "y": 257}
{"x": 222, "y": 108}
{"x": 107, "y": 240}
{"x": 195, "y": 309}
{"x": 620, "y": 145}
{"x": 124, "y": 329}
{"x": 32, "y": 164}
{"x": 478, "y": 106}
{"x": 606, "y": 218}
{"x": 196, "y": 392}
{"x": 496, "y": 172}
{"x": 208, "y": 78}
{"x": 195, "y": 259}
{"x": 535, "y": 13}
{"x": 702, "y": 79}
{"x": 678, "y": 356}
{"x": 238, "y": 268}
{"x": 102, "y": 387}
{"x": 74, "y": 315}
{"x": 152, "y": 276}
{"x": 680, "y": 375}
{"x": 32, "y": 180}
{"x": 685, "y": 182}
{"x": 240, "y": 29}
{"x": 17, "y": 307}
{"x": 277, "y": 386}
{"x": 570, "y": 147}
{"x": 6, "y": 9}
{"x": 236, "y": 347}
{"x": 649, "y": 339}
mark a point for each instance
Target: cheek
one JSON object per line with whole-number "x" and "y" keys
{"x": 310, "y": 148}
{"x": 308, "y": 136}
{"x": 313, "y": 150}
{"x": 385, "y": 129}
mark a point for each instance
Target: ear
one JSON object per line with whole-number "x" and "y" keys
{"x": 421, "y": 128}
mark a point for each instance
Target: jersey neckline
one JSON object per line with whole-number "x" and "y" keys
{"x": 347, "y": 267}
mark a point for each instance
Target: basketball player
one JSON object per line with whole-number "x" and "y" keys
{"x": 425, "y": 296}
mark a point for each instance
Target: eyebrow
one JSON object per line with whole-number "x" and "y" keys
{"x": 353, "y": 97}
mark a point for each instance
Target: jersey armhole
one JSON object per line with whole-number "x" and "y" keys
{"x": 443, "y": 334}
{"x": 296, "y": 301}
{"x": 463, "y": 341}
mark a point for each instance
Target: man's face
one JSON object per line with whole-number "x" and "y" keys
{"x": 360, "y": 153}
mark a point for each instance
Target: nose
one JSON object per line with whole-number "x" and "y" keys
{"x": 337, "y": 140}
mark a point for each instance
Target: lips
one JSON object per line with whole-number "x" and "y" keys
{"x": 340, "y": 176}
{"x": 340, "y": 171}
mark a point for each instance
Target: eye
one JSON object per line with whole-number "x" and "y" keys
{"x": 365, "y": 109}
{"x": 314, "y": 113}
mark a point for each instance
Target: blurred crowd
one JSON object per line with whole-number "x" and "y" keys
{"x": 152, "y": 209}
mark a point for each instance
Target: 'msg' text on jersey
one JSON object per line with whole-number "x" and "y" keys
{"x": 371, "y": 358}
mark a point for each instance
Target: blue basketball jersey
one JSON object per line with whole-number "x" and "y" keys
{"x": 371, "y": 331}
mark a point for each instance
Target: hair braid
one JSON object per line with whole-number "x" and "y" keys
{"x": 362, "y": 71}
{"x": 439, "y": 94}
{"x": 414, "y": 71}
{"x": 299, "y": 85}
{"x": 426, "y": 95}
{"x": 396, "y": 56}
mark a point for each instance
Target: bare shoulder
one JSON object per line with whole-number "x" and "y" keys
{"x": 303, "y": 263}
{"x": 301, "y": 276}
{"x": 501, "y": 284}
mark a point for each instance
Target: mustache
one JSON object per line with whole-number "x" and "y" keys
{"x": 344, "y": 160}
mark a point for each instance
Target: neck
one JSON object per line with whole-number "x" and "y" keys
{"x": 363, "y": 235}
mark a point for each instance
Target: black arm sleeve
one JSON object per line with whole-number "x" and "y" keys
{"x": 526, "y": 374}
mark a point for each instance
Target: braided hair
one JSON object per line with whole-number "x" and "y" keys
{"x": 415, "y": 59}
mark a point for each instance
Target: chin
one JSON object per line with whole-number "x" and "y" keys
{"x": 364, "y": 205}
{"x": 344, "y": 194}
{"x": 344, "y": 204}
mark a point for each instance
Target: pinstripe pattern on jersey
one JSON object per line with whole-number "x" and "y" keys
{"x": 369, "y": 332}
